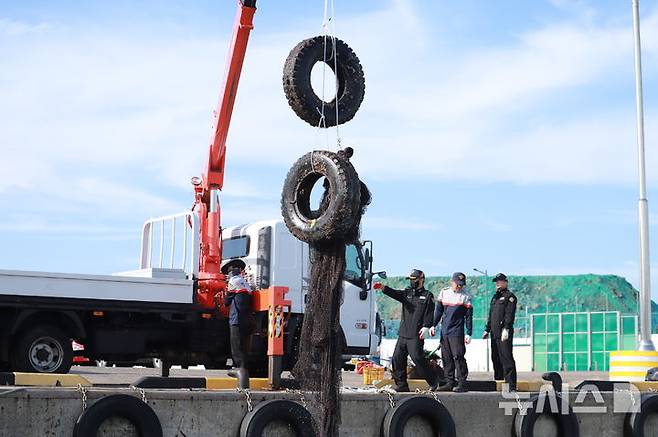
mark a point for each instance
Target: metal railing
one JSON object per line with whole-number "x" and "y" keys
{"x": 177, "y": 234}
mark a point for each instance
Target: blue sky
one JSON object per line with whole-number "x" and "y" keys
{"x": 496, "y": 135}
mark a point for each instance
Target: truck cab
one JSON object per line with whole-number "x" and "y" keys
{"x": 271, "y": 255}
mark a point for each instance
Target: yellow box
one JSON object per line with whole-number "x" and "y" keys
{"x": 372, "y": 374}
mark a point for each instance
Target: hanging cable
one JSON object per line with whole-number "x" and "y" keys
{"x": 329, "y": 33}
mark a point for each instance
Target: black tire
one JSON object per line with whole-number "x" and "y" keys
{"x": 339, "y": 211}
{"x": 128, "y": 407}
{"x": 566, "y": 421}
{"x": 297, "y": 81}
{"x": 42, "y": 349}
{"x": 434, "y": 412}
{"x": 292, "y": 413}
{"x": 634, "y": 422}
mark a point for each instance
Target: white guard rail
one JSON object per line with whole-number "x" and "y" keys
{"x": 176, "y": 234}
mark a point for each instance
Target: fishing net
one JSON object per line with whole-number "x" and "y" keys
{"x": 318, "y": 367}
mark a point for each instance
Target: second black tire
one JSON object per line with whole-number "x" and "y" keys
{"x": 144, "y": 419}
{"x": 432, "y": 411}
{"x": 339, "y": 212}
{"x": 566, "y": 421}
{"x": 304, "y": 101}
{"x": 278, "y": 410}
{"x": 634, "y": 423}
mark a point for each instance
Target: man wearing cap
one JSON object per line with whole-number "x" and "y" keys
{"x": 238, "y": 299}
{"x": 500, "y": 327}
{"x": 454, "y": 311}
{"x": 417, "y": 309}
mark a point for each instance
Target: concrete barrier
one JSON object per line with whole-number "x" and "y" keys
{"x": 35, "y": 412}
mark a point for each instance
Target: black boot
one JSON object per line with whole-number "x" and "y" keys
{"x": 461, "y": 387}
{"x": 401, "y": 387}
{"x": 448, "y": 386}
{"x": 243, "y": 378}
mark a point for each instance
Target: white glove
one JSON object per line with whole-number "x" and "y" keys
{"x": 485, "y": 335}
{"x": 467, "y": 339}
{"x": 504, "y": 336}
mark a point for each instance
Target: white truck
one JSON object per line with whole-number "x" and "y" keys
{"x": 272, "y": 255}
{"x": 153, "y": 312}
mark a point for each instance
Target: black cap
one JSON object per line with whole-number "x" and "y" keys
{"x": 499, "y": 277}
{"x": 459, "y": 278}
{"x": 416, "y": 274}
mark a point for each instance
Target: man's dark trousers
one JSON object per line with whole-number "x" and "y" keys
{"x": 412, "y": 347}
{"x": 239, "y": 345}
{"x": 503, "y": 360}
{"x": 453, "y": 351}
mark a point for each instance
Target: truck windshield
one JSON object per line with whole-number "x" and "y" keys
{"x": 235, "y": 247}
{"x": 354, "y": 271}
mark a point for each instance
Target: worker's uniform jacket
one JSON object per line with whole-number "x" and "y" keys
{"x": 417, "y": 309}
{"x": 454, "y": 310}
{"x": 238, "y": 299}
{"x": 501, "y": 313}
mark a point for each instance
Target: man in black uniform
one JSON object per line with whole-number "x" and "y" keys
{"x": 500, "y": 326}
{"x": 417, "y": 313}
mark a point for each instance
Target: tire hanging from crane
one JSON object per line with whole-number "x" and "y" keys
{"x": 327, "y": 229}
{"x": 350, "y": 81}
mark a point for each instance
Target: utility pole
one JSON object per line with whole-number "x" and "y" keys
{"x": 643, "y": 214}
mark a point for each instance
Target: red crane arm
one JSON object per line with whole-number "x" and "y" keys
{"x": 212, "y": 283}
{"x": 214, "y": 175}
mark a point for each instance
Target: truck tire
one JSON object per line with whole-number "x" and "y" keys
{"x": 339, "y": 211}
{"x": 278, "y": 410}
{"x": 297, "y": 81}
{"x": 42, "y": 349}
{"x": 129, "y": 407}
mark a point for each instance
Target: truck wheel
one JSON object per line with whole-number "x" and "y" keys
{"x": 43, "y": 349}
{"x": 297, "y": 81}
{"x": 339, "y": 210}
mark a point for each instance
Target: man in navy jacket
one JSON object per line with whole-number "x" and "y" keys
{"x": 454, "y": 311}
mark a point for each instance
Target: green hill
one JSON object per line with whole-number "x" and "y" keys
{"x": 536, "y": 294}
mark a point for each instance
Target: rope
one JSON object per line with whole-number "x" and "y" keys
{"x": 329, "y": 32}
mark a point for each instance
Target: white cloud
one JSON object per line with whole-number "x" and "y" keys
{"x": 87, "y": 116}
{"x": 17, "y": 27}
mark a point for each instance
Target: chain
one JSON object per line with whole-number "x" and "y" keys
{"x": 519, "y": 404}
{"x": 429, "y": 392}
{"x": 141, "y": 391}
{"x": 83, "y": 392}
{"x": 388, "y": 393}
{"x": 246, "y": 394}
{"x": 302, "y": 399}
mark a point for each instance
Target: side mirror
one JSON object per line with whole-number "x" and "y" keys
{"x": 380, "y": 274}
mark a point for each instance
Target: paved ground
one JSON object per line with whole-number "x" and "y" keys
{"x": 114, "y": 376}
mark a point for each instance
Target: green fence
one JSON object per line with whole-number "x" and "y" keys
{"x": 580, "y": 341}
